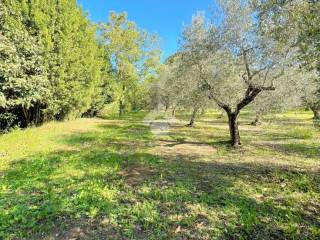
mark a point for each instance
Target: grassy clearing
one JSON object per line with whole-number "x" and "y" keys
{"x": 114, "y": 179}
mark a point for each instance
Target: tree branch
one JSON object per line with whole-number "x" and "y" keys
{"x": 246, "y": 63}
{"x": 212, "y": 97}
{"x": 251, "y": 93}
{"x": 250, "y": 96}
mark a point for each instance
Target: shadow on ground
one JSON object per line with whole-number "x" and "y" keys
{"x": 113, "y": 185}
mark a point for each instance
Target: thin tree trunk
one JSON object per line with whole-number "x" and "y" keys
{"x": 192, "y": 119}
{"x": 166, "y": 107}
{"x": 174, "y": 112}
{"x": 26, "y": 116}
{"x": 257, "y": 120}
{"x": 121, "y": 103}
{"x": 37, "y": 117}
{"x": 234, "y": 129}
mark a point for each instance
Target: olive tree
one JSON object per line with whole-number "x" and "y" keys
{"x": 296, "y": 23}
{"x": 181, "y": 85}
{"x": 291, "y": 91}
{"x": 311, "y": 97}
{"x": 193, "y": 96}
{"x": 192, "y": 67}
{"x": 169, "y": 87}
{"x": 244, "y": 63}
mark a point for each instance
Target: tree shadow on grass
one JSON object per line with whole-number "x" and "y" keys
{"x": 28, "y": 201}
{"x": 101, "y": 191}
{"x": 54, "y": 192}
{"x": 298, "y": 149}
{"x": 290, "y": 122}
{"x": 132, "y": 116}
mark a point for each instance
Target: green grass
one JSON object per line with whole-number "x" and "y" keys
{"x": 114, "y": 179}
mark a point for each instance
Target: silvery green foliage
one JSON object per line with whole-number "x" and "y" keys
{"x": 296, "y": 23}
{"x": 2, "y": 100}
{"x": 311, "y": 94}
{"x": 237, "y": 59}
{"x": 295, "y": 89}
{"x": 195, "y": 63}
{"x": 182, "y": 78}
{"x": 170, "y": 85}
{"x": 253, "y": 60}
{"x": 231, "y": 61}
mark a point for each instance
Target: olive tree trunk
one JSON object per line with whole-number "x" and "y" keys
{"x": 316, "y": 113}
{"x": 174, "y": 112}
{"x": 251, "y": 93}
{"x": 234, "y": 128}
{"x": 193, "y": 117}
{"x": 166, "y": 107}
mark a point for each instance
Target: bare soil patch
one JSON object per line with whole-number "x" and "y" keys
{"x": 137, "y": 174}
{"x": 185, "y": 149}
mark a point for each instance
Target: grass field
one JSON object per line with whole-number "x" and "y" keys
{"x": 121, "y": 179}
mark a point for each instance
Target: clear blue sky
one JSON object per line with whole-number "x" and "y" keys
{"x": 164, "y": 17}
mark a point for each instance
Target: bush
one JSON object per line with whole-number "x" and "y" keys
{"x": 110, "y": 110}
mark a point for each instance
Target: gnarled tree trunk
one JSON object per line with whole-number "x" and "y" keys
{"x": 234, "y": 129}
{"x": 251, "y": 93}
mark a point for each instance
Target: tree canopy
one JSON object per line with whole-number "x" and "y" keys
{"x": 56, "y": 65}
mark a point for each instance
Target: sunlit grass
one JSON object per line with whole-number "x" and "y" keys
{"x": 114, "y": 179}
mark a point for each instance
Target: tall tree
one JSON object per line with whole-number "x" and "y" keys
{"x": 54, "y": 41}
{"x": 72, "y": 56}
{"x": 23, "y": 80}
{"x": 130, "y": 51}
{"x": 194, "y": 66}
